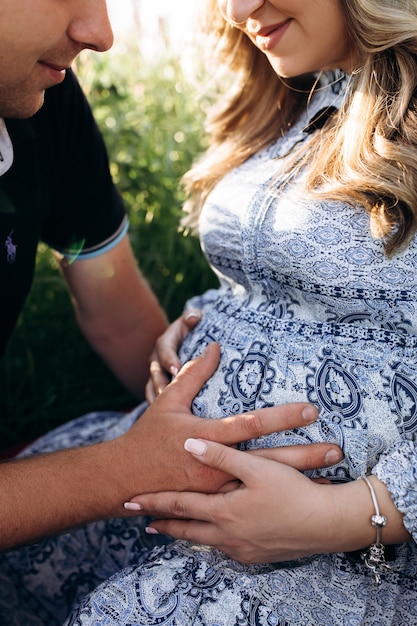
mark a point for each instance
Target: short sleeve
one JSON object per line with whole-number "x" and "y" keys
{"x": 86, "y": 212}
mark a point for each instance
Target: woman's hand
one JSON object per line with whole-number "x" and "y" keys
{"x": 275, "y": 513}
{"x": 164, "y": 361}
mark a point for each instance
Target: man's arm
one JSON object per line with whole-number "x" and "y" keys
{"x": 117, "y": 312}
{"x": 48, "y": 494}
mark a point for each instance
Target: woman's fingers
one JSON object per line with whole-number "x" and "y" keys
{"x": 157, "y": 382}
{"x": 227, "y": 460}
{"x": 230, "y": 520}
{"x": 165, "y": 363}
{"x": 168, "y": 344}
{"x": 185, "y": 505}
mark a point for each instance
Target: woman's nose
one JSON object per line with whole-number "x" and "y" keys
{"x": 238, "y": 11}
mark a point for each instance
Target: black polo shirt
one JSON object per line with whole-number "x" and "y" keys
{"x": 58, "y": 190}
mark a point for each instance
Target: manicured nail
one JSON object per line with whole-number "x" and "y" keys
{"x": 332, "y": 457}
{"x": 132, "y": 506}
{"x": 173, "y": 370}
{"x": 151, "y": 531}
{"x": 309, "y": 414}
{"x": 195, "y": 446}
{"x": 193, "y": 314}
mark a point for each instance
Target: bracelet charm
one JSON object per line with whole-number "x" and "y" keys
{"x": 374, "y": 556}
{"x": 374, "y": 559}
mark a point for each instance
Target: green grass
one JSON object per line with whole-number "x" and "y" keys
{"x": 151, "y": 120}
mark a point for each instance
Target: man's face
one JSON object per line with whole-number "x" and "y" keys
{"x": 39, "y": 40}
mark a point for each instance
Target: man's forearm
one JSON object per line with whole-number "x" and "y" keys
{"x": 51, "y": 493}
{"x": 126, "y": 349}
{"x": 117, "y": 311}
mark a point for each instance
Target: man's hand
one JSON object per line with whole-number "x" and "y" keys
{"x": 158, "y": 436}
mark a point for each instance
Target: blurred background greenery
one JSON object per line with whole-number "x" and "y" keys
{"x": 151, "y": 119}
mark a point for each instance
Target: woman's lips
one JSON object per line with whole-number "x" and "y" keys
{"x": 267, "y": 38}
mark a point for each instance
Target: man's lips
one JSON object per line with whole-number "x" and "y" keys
{"x": 54, "y": 66}
{"x": 55, "y": 72}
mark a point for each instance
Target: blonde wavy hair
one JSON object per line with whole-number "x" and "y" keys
{"x": 366, "y": 153}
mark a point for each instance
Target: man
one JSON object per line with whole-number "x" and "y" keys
{"x": 55, "y": 185}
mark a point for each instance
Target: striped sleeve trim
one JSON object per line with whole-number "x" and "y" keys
{"x": 79, "y": 251}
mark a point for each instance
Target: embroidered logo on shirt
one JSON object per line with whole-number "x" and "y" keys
{"x": 10, "y": 248}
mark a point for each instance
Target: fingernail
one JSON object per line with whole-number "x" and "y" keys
{"x": 195, "y": 446}
{"x": 132, "y": 506}
{"x": 151, "y": 531}
{"x": 332, "y": 457}
{"x": 206, "y": 350}
{"x": 193, "y": 314}
{"x": 173, "y": 370}
{"x": 309, "y": 414}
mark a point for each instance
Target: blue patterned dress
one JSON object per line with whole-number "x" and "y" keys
{"x": 308, "y": 308}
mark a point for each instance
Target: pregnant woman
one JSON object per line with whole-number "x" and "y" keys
{"x": 306, "y": 208}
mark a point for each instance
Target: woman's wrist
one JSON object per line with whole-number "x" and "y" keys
{"x": 355, "y": 509}
{"x": 394, "y": 531}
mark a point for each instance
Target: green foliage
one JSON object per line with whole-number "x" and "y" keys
{"x": 151, "y": 121}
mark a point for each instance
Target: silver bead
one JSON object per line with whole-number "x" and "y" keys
{"x": 379, "y": 521}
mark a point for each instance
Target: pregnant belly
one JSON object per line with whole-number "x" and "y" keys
{"x": 362, "y": 386}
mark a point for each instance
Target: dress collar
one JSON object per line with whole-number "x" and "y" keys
{"x": 6, "y": 149}
{"x": 326, "y": 98}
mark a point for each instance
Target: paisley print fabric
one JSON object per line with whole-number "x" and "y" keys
{"x": 183, "y": 584}
{"x": 308, "y": 308}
